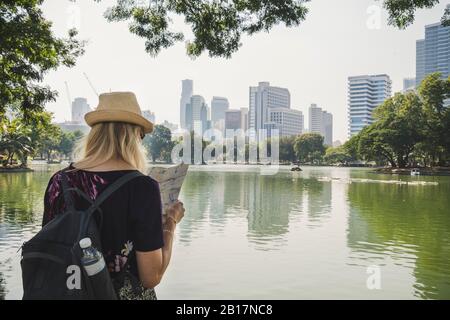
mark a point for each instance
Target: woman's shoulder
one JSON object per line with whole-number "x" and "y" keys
{"x": 145, "y": 181}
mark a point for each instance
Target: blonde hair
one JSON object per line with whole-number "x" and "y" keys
{"x": 112, "y": 140}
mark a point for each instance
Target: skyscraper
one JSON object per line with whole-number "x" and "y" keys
{"x": 315, "y": 119}
{"x": 197, "y": 114}
{"x": 321, "y": 122}
{"x": 365, "y": 93}
{"x": 261, "y": 99}
{"x": 433, "y": 52}
{"x": 187, "y": 89}
{"x": 420, "y": 61}
{"x": 327, "y": 128}
{"x": 79, "y": 108}
{"x": 218, "y": 107}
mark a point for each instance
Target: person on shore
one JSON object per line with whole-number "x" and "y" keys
{"x": 136, "y": 237}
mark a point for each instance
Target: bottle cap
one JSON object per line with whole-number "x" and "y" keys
{"x": 85, "y": 243}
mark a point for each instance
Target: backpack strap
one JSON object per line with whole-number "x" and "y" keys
{"x": 113, "y": 188}
{"x": 68, "y": 199}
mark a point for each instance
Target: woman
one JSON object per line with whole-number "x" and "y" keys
{"x": 136, "y": 239}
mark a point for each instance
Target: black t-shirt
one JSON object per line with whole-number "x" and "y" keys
{"x": 132, "y": 215}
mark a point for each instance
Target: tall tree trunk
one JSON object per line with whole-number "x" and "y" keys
{"x": 401, "y": 161}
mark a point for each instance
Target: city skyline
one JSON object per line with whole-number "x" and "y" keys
{"x": 314, "y": 71}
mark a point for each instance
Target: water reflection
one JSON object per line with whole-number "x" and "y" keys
{"x": 21, "y": 206}
{"x": 410, "y": 225}
{"x": 319, "y": 224}
{"x": 267, "y": 203}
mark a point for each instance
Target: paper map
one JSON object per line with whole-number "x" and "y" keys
{"x": 170, "y": 182}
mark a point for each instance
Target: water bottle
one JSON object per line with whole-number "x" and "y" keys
{"x": 99, "y": 278}
{"x": 91, "y": 259}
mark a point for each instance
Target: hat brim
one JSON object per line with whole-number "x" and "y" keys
{"x": 98, "y": 116}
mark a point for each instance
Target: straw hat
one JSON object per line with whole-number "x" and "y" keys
{"x": 118, "y": 107}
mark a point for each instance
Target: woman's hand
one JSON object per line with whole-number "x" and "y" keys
{"x": 175, "y": 212}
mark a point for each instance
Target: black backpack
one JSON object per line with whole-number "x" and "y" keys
{"x": 51, "y": 260}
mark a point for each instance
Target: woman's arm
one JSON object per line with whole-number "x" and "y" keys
{"x": 153, "y": 264}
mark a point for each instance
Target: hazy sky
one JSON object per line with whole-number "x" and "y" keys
{"x": 338, "y": 39}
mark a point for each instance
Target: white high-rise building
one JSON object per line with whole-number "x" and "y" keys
{"x": 321, "y": 122}
{"x": 365, "y": 93}
{"x": 289, "y": 122}
{"x": 79, "y": 108}
{"x": 187, "y": 89}
{"x": 315, "y": 122}
{"x": 261, "y": 99}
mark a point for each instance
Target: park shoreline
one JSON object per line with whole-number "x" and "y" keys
{"x": 436, "y": 171}
{"x": 14, "y": 170}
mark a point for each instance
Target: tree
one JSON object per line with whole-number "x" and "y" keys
{"x": 351, "y": 148}
{"x": 372, "y": 147}
{"x": 402, "y": 12}
{"x": 433, "y": 91}
{"x": 399, "y": 125}
{"x": 28, "y": 50}
{"x": 68, "y": 141}
{"x": 217, "y": 26}
{"x": 50, "y": 141}
{"x": 159, "y": 143}
{"x": 14, "y": 141}
{"x": 286, "y": 146}
{"x": 309, "y": 148}
{"x": 337, "y": 155}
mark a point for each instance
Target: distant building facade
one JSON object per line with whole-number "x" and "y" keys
{"x": 365, "y": 93}
{"x": 261, "y": 99}
{"x": 233, "y": 119}
{"x": 150, "y": 116}
{"x": 321, "y": 122}
{"x": 433, "y": 52}
{"x": 218, "y": 107}
{"x": 197, "y": 115}
{"x": 409, "y": 84}
{"x": 315, "y": 123}
{"x": 187, "y": 89}
{"x": 79, "y": 108}
{"x": 270, "y": 108}
{"x": 289, "y": 122}
{"x": 327, "y": 128}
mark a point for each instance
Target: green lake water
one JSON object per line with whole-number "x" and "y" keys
{"x": 319, "y": 233}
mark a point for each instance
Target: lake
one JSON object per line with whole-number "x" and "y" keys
{"x": 325, "y": 232}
